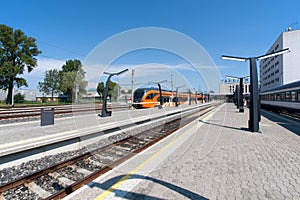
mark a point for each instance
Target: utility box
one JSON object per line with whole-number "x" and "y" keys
{"x": 47, "y": 117}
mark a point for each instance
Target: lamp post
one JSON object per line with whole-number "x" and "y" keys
{"x": 160, "y": 95}
{"x": 104, "y": 112}
{"x": 176, "y": 96}
{"x": 190, "y": 97}
{"x": 202, "y": 97}
{"x": 240, "y": 105}
{"x": 195, "y": 96}
{"x": 253, "y": 123}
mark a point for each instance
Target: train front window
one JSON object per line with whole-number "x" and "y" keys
{"x": 150, "y": 96}
{"x": 138, "y": 95}
{"x": 298, "y": 94}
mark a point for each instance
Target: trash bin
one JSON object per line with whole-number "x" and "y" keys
{"x": 47, "y": 117}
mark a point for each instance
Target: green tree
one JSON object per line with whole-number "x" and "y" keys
{"x": 17, "y": 52}
{"x": 100, "y": 89}
{"x": 51, "y": 83}
{"x": 19, "y": 98}
{"x": 112, "y": 90}
{"x": 72, "y": 81}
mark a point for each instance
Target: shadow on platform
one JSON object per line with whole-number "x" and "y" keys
{"x": 224, "y": 126}
{"x": 288, "y": 124}
{"x": 132, "y": 195}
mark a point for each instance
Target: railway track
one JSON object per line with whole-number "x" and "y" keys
{"x": 284, "y": 113}
{"x": 295, "y": 116}
{"x": 35, "y": 112}
{"x": 61, "y": 179}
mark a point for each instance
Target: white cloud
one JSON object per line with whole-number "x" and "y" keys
{"x": 37, "y": 75}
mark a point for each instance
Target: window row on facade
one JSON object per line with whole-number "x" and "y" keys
{"x": 270, "y": 82}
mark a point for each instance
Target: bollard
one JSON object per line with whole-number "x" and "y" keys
{"x": 47, "y": 117}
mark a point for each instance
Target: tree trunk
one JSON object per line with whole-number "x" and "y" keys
{"x": 10, "y": 94}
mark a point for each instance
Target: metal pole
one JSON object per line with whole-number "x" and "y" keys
{"x": 241, "y": 106}
{"x": 254, "y": 114}
{"x": 253, "y": 122}
{"x": 172, "y": 88}
{"x": 190, "y": 99}
{"x": 105, "y": 112}
{"x": 237, "y": 96}
{"x": 132, "y": 85}
{"x": 76, "y": 93}
{"x": 12, "y": 97}
{"x": 160, "y": 96}
{"x": 172, "y": 82}
{"x": 176, "y": 98}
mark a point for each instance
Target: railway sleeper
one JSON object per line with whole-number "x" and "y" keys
{"x": 38, "y": 190}
{"x": 61, "y": 178}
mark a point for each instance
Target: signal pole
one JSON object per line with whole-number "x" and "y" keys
{"x": 172, "y": 88}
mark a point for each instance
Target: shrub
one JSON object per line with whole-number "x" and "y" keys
{"x": 19, "y": 98}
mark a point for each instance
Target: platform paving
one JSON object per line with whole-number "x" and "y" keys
{"x": 215, "y": 157}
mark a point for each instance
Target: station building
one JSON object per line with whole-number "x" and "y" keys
{"x": 227, "y": 88}
{"x": 282, "y": 69}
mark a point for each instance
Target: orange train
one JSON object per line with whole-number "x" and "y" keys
{"x": 149, "y": 98}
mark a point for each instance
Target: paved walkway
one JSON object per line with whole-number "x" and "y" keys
{"x": 215, "y": 158}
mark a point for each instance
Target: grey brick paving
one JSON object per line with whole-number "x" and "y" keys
{"x": 241, "y": 164}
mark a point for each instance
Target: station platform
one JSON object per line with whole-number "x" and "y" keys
{"x": 22, "y": 136}
{"x": 214, "y": 157}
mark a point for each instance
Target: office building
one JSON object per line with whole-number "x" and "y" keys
{"x": 282, "y": 69}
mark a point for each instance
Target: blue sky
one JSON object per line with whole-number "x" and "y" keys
{"x": 71, "y": 29}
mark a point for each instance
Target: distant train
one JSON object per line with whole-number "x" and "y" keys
{"x": 283, "y": 98}
{"x": 150, "y": 97}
